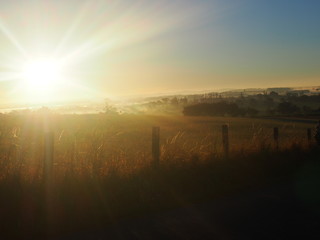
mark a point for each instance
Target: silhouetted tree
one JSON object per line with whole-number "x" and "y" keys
{"x": 287, "y": 108}
{"x": 269, "y": 102}
{"x": 174, "y": 101}
{"x": 213, "y": 109}
{"x": 110, "y": 110}
{"x": 252, "y": 111}
{"x": 184, "y": 101}
{"x": 273, "y": 94}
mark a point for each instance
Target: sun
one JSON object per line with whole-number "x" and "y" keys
{"x": 42, "y": 79}
{"x": 42, "y": 74}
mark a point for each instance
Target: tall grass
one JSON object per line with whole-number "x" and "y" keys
{"x": 100, "y": 144}
{"x": 102, "y": 172}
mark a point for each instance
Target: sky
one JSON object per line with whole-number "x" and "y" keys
{"x": 121, "y": 48}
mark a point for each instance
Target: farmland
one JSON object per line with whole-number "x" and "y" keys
{"x": 102, "y": 170}
{"x": 97, "y": 142}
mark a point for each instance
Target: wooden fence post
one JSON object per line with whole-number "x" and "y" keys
{"x": 225, "y": 140}
{"x": 49, "y": 203}
{"x": 276, "y": 137}
{"x": 48, "y": 159}
{"x": 155, "y": 146}
{"x": 309, "y": 135}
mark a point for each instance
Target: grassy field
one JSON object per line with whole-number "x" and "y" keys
{"x": 102, "y": 143}
{"x": 102, "y": 172}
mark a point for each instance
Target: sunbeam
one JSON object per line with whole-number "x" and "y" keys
{"x": 5, "y": 31}
{"x": 81, "y": 38}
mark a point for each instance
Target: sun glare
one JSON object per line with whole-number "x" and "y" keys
{"x": 78, "y": 53}
{"x": 42, "y": 73}
{"x": 42, "y": 79}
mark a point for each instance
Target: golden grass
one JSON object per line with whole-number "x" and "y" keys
{"x": 101, "y": 172}
{"x": 101, "y": 144}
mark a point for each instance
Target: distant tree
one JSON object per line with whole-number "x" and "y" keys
{"x": 273, "y": 94}
{"x": 212, "y": 109}
{"x": 260, "y": 96}
{"x": 252, "y": 111}
{"x": 303, "y": 98}
{"x": 165, "y": 100}
{"x": 232, "y": 109}
{"x": 253, "y": 101}
{"x": 287, "y": 108}
{"x": 184, "y": 101}
{"x": 242, "y": 112}
{"x": 110, "y": 110}
{"x": 174, "y": 101}
{"x": 269, "y": 102}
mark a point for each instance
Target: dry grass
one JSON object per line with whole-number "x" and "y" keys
{"x": 102, "y": 168}
{"x": 100, "y": 144}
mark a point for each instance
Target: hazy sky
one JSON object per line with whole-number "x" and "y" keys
{"x": 131, "y": 47}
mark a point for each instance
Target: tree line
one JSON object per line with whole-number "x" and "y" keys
{"x": 224, "y": 108}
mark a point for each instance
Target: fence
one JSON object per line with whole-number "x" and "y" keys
{"x": 155, "y": 145}
{"x": 49, "y": 148}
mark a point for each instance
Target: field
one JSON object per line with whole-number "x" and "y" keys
{"x": 102, "y": 166}
{"x": 99, "y": 143}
